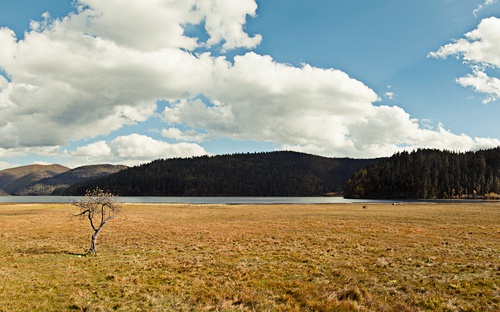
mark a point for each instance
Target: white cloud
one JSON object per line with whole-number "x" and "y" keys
{"x": 3, "y": 83}
{"x": 482, "y": 6}
{"x": 260, "y": 99}
{"x": 390, "y": 95}
{"x": 137, "y": 146}
{"x": 98, "y": 149}
{"x": 87, "y": 85}
{"x": 482, "y": 83}
{"x": 482, "y": 45}
{"x": 8, "y": 40}
{"x": 141, "y": 25}
{"x": 321, "y": 111}
{"x": 156, "y": 25}
{"x": 481, "y": 50}
{"x": 224, "y": 21}
{"x": 177, "y": 134}
{"x": 105, "y": 67}
{"x": 133, "y": 149}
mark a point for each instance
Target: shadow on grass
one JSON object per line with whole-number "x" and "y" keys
{"x": 50, "y": 251}
{"x": 77, "y": 254}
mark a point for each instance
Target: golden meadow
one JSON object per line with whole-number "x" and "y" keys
{"x": 322, "y": 257}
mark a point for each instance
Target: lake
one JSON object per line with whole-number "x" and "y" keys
{"x": 194, "y": 200}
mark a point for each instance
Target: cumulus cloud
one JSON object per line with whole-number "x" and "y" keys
{"x": 177, "y": 134}
{"x": 320, "y": 111}
{"x": 482, "y": 45}
{"x": 156, "y": 25}
{"x": 224, "y": 21}
{"x": 98, "y": 149}
{"x": 260, "y": 99}
{"x": 482, "y": 83}
{"x": 141, "y": 25}
{"x": 481, "y": 50}
{"x": 105, "y": 66}
{"x": 133, "y": 149}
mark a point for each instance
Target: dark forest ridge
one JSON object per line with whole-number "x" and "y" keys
{"x": 281, "y": 173}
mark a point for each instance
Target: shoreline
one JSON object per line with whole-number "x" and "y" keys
{"x": 235, "y": 200}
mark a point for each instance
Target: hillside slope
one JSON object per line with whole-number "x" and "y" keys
{"x": 258, "y": 174}
{"x": 14, "y": 179}
{"x": 57, "y": 184}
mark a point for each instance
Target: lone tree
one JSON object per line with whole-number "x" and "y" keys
{"x": 99, "y": 207}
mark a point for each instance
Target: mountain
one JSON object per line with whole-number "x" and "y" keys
{"x": 253, "y": 174}
{"x": 3, "y": 193}
{"x": 14, "y": 179}
{"x": 429, "y": 174}
{"x": 57, "y": 184}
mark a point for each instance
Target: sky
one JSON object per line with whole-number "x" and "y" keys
{"x": 129, "y": 81}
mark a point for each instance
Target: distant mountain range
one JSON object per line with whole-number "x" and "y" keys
{"x": 419, "y": 174}
{"x": 49, "y": 179}
{"x": 14, "y": 179}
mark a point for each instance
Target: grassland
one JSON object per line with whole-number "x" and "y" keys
{"x": 414, "y": 257}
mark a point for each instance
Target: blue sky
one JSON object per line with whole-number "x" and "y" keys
{"x": 84, "y": 82}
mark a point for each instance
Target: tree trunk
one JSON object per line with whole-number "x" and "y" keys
{"x": 93, "y": 249}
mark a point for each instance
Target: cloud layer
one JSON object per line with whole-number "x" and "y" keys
{"x": 108, "y": 66}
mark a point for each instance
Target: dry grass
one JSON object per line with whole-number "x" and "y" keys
{"x": 415, "y": 257}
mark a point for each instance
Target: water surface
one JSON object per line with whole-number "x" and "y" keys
{"x": 193, "y": 200}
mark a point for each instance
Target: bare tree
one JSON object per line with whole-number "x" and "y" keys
{"x": 99, "y": 207}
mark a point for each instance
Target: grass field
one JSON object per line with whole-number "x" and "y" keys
{"x": 413, "y": 257}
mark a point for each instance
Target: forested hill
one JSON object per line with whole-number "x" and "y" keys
{"x": 429, "y": 174}
{"x": 258, "y": 174}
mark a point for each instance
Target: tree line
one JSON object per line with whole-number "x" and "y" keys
{"x": 252, "y": 174}
{"x": 429, "y": 174}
